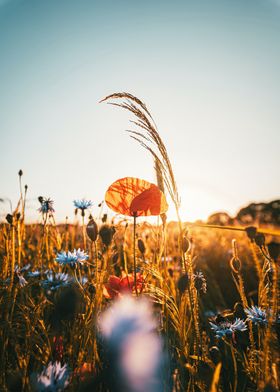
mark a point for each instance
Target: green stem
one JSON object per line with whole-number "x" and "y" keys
{"x": 134, "y": 253}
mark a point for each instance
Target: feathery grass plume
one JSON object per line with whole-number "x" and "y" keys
{"x": 134, "y": 349}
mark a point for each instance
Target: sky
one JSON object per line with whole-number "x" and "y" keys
{"x": 207, "y": 70}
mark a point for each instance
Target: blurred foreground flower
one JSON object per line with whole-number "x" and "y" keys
{"x": 54, "y": 378}
{"x": 72, "y": 258}
{"x": 135, "y": 351}
{"x": 227, "y": 329}
{"x": 117, "y": 286}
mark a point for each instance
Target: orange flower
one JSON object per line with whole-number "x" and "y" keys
{"x": 116, "y": 286}
{"x": 135, "y": 197}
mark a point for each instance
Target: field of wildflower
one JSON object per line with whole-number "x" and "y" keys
{"x": 125, "y": 305}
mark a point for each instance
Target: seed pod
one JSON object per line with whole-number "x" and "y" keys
{"x": 104, "y": 218}
{"x": 185, "y": 244}
{"x": 260, "y": 240}
{"x": 183, "y": 283}
{"x": 20, "y": 173}
{"x": 92, "y": 230}
{"x": 141, "y": 246}
{"x": 251, "y": 232}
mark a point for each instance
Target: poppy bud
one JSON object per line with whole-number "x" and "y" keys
{"x": 20, "y": 173}
{"x": 171, "y": 272}
{"x": 40, "y": 198}
{"x": 92, "y": 230}
{"x": 215, "y": 354}
{"x": 104, "y": 218}
{"x": 115, "y": 258}
{"x": 92, "y": 290}
{"x": 274, "y": 250}
{"x": 251, "y": 232}
{"x": 183, "y": 283}
{"x": 239, "y": 311}
{"x": 18, "y": 215}
{"x": 106, "y": 233}
{"x": 185, "y": 244}
{"x": 260, "y": 240}
{"x": 141, "y": 246}
{"x": 25, "y": 187}
{"x": 9, "y": 219}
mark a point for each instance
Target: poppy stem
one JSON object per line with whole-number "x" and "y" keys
{"x": 134, "y": 252}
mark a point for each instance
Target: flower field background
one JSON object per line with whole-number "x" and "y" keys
{"x": 124, "y": 305}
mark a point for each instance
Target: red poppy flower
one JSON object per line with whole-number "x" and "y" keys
{"x": 116, "y": 286}
{"x": 135, "y": 197}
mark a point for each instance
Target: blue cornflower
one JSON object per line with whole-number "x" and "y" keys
{"x": 46, "y": 205}
{"x": 226, "y": 328}
{"x": 256, "y": 315}
{"x": 54, "y": 378}
{"x": 72, "y": 258}
{"x": 55, "y": 281}
{"x": 83, "y": 204}
{"x": 83, "y": 280}
{"x": 34, "y": 274}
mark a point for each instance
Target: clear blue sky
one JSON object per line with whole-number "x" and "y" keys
{"x": 208, "y": 71}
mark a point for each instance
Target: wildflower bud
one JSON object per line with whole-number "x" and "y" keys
{"x": 10, "y": 218}
{"x": 235, "y": 264}
{"x": 115, "y": 258}
{"x": 260, "y": 240}
{"x": 171, "y": 272}
{"x": 18, "y": 216}
{"x": 92, "y": 290}
{"x": 25, "y": 187}
{"x": 239, "y": 311}
{"x": 20, "y": 173}
{"x": 183, "y": 283}
{"x": 215, "y": 354}
{"x": 141, "y": 246}
{"x": 41, "y": 199}
{"x": 251, "y": 232}
{"x": 92, "y": 230}
{"x": 185, "y": 244}
{"x": 104, "y": 218}
{"x": 76, "y": 211}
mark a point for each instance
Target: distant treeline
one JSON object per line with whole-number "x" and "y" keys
{"x": 254, "y": 213}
